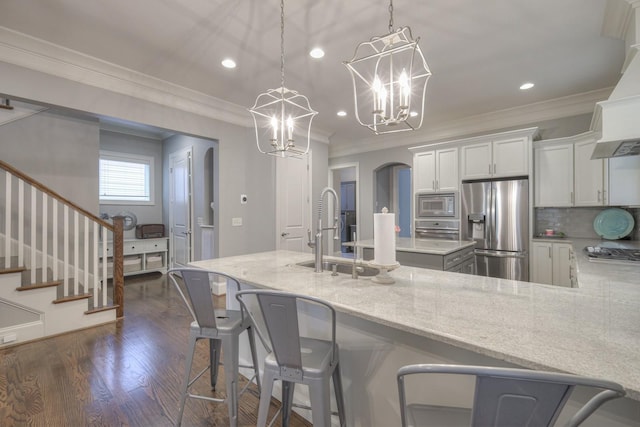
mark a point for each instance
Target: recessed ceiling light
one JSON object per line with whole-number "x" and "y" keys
{"x": 413, "y": 113}
{"x": 526, "y": 86}
{"x": 316, "y": 53}
{"x": 342, "y": 113}
{"x": 228, "y": 63}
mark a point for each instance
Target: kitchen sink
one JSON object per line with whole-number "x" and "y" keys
{"x": 343, "y": 267}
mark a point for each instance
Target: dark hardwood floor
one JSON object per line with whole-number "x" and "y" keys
{"x": 126, "y": 373}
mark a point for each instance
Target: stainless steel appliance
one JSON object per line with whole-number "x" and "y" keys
{"x": 496, "y": 215}
{"x": 447, "y": 229}
{"x": 613, "y": 255}
{"x": 436, "y": 205}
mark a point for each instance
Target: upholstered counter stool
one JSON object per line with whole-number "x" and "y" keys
{"x": 504, "y": 397}
{"x": 296, "y": 358}
{"x": 222, "y": 328}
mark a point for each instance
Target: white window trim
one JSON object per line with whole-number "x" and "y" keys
{"x": 138, "y": 158}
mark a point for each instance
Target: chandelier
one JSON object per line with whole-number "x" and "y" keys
{"x": 390, "y": 77}
{"x": 281, "y": 114}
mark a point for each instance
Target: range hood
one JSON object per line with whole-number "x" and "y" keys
{"x": 619, "y": 116}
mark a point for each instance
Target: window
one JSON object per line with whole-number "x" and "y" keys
{"x": 126, "y": 179}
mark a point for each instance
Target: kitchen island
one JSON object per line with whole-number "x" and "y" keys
{"x": 431, "y": 316}
{"x": 449, "y": 255}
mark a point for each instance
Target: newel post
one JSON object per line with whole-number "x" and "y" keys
{"x": 118, "y": 261}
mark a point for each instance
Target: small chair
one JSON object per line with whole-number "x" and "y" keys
{"x": 223, "y": 329}
{"x": 294, "y": 358}
{"x": 505, "y": 397}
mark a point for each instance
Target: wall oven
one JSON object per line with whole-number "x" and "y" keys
{"x": 436, "y": 205}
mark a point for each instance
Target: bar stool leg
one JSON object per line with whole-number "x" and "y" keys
{"x": 288, "y": 388}
{"x": 337, "y": 387}
{"x": 187, "y": 375}
{"x": 214, "y": 360}
{"x": 320, "y": 396}
{"x": 265, "y": 398}
{"x": 254, "y": 356}
{"x": 230, "y": 356}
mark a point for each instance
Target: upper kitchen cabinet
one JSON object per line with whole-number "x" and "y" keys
{"x": 624, "y": 181}
{"x": 565, "y": 175}
{"x": 495, "y": 156}
{"x": 553, "y": 174}
{"x": 589, "y": 175}
{"x": 436, "y": 170}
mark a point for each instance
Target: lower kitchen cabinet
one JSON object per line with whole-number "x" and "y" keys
{"x": 553, "y": 264}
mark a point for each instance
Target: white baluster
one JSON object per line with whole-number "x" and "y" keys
{"x": 54, "y": 242}
{"x": 34, "y": 240}
{"x": 96, "y": 275}
{"x": 76, "y": 254}
{"x": 104, "y": 264}
{"x": 21, "y": 223}
{"x": 7, "y": 222}
{"x": 65, "y": 249}
{"x": 85, "y": 247}
{"x": 45, "y": 233}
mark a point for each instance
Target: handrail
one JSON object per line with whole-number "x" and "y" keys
{"x": 53, "y": 194}
{"x": 116, "y": 228}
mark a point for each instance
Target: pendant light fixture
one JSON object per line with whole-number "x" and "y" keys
{"x": 390, "y": 77}
{"x": 279, "y": 115}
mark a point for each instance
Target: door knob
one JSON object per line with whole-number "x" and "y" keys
{"x": 284, "y": 234}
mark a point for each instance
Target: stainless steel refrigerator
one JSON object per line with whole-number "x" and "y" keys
{"x": 496, "y": 215}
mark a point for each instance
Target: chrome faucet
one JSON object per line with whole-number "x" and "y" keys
{"x": 317, "y": 244}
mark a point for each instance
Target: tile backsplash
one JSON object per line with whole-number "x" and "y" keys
{"x": 576, "y": 222}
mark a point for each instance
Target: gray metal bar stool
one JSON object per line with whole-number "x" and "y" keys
{"x": 223, "y": 329}
{"x": 295, "y": 359}
{"x": 505, "y": 397}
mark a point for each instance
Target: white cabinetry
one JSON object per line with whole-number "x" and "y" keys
{"x": 624, "y": 181}
{"x": 499, "y": 157}
{"x": 565, "y": 175}
{"x": 589, "y": 176}
{"x": 141, "y": 256}
{"x": 553, "y": 263}
{"x": 553, "y": 172}
{"x": 436, "y": 170}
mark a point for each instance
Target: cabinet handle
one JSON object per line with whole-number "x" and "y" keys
{"x": 494, "y": 168}
{"x": 604, "y": 197}
{"x": 437, "y": 185}
{"x": 489, "y": 168}
{"x": 598, "y": 195}
{"x": 549, "y": 251}
{"x": 433, "y": 184}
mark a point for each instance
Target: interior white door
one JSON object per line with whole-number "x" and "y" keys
{"x": 293, "y": 206}
{"x": 180, "y": 207}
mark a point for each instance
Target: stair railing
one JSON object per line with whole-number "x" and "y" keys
{"x": 51, "y": 233}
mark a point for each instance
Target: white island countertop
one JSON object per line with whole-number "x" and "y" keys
{"x": 591, "y": 331}
{"x": 425, "y": 246}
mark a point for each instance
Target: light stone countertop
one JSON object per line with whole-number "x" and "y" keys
{"x": 425, "y": 246}
{"x": 592, "y": 330}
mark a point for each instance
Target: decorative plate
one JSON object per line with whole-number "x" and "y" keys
{"x": 613, "y": 223}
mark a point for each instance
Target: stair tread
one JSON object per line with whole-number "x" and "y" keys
{"x": 39, "y": 285}
{"x": 72, "y": 298}
{"x": 12, "y": 270}
{"x": 101, "y": 309}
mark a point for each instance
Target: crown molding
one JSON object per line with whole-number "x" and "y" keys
{"x": 567, "y": 106}
{"x": 617, "y": 18}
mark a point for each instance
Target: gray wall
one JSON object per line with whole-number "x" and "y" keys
{"x": 131, "y": 144}
{"x": 59, "y": 150}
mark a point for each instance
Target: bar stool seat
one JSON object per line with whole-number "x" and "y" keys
{"x": 223, "y": 329}
{"x": 293, "y": 358}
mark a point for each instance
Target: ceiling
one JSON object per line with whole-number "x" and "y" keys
{"x": 479, "y": 52}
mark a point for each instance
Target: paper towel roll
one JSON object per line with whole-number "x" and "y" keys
{"x": 384, "y": 238}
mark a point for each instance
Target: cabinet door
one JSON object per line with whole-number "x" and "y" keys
{"x": 589, "y": 176}
{"x": 424, "y": 171}
{"x": 542, "y": 269}
{"x": 554, "y": 175}
{"x": 510, "y": 157}
{"x": 447, "y": 169}
{"x": 624, "y": 181}
{"x": 562, "y": 264}
{"x": 476, "y": 161}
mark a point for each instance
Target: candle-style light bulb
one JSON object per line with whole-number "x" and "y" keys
{"x": 403, "y": 82}
{"x": 274, "y": 125}
{"x": 290, "y": 127}
{"x": 383, "y": 101}
{"x": 377, "y": 85}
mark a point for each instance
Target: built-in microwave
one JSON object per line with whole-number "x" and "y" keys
{"x": 436, "y": 205}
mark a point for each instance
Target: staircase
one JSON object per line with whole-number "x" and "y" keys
{"x": 52, "y": 278}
